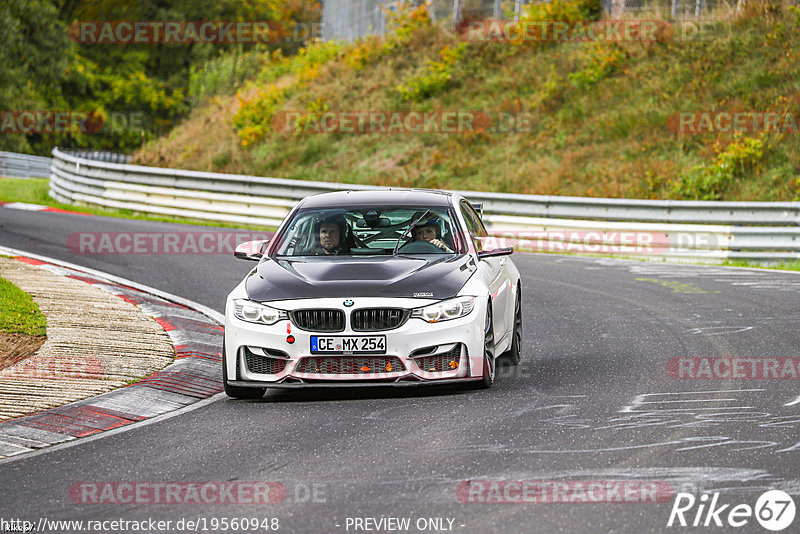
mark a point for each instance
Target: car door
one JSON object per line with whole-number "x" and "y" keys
{"x": 497, "y": 275}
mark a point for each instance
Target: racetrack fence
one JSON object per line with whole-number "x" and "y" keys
{"x": 351, "y": 19}
{"x": 13, "y": 165}
{"x": 703, "y": 231}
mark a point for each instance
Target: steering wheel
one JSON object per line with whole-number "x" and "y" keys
{"x": 423, "y": 247}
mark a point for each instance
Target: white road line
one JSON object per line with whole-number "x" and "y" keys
{"x": 792, "y": 403}
{"x": 24, "y": 206}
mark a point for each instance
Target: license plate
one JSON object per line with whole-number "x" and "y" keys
{"x": 348, "y": 344}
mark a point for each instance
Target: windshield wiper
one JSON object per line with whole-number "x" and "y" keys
{"x": 410, "y": 226}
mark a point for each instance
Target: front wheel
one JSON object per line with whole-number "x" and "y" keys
{"x": 236, "y": 392}
{"x": 488, "y": 352}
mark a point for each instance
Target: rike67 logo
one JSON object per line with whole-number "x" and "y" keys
{"x": 774, "y": 510}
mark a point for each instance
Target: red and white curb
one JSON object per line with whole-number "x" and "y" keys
{"x": 196, "y": 332}
{"x": 38, "y": 207}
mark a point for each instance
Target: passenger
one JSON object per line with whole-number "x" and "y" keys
{"x": 429, "y": 231}
{"x": 332, "y": 232}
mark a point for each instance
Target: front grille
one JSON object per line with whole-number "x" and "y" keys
{"x": 263, "y": 364}
{"x": 319, "y": 320}
{"x": 447, "y": 361}
{"x": 345, "y": 365}
{"x": 375, "y": 319}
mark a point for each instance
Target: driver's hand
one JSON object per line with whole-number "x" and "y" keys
{"x": 439, "y": 243}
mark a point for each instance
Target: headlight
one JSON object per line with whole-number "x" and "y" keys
{"x": 253, "y": 312}
{"x": 445, "y": 310}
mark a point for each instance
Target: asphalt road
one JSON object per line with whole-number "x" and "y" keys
{"x": 592, "y": 400}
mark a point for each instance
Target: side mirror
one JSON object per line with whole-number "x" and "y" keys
{"x": 507, "y": 251}
{"x": 250, "y": 250}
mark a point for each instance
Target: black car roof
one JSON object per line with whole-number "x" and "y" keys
{"x": 379, "y": 197}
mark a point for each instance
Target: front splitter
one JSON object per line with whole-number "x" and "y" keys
{"x": 343, "y": 384}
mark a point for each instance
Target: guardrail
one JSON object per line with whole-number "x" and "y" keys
{"x": 96, "y": 155}
{"x": 13, "y": 165}
{"x": 687, "y": 230}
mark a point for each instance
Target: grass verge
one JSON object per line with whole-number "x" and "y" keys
{"x": 35, "y": 191}
{"x": 786, "y": 266}
{"x": 19, "y": 314}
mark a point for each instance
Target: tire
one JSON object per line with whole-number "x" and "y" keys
{"x": 512, "y": 355}
{"x": 489, "y": 360}
{"x": 236, "y": 392}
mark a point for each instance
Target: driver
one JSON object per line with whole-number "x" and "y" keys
{"x": 429, "y": 231}
{"x": 331, "y": 232}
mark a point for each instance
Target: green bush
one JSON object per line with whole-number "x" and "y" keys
{"x": 708, "y": 182}
{"x": 562, "y": 11}
{"x": 435, "y": 77}
{"x": 604, "y": 61}
{"x": 224, "y": 74}
{"x": 254, "y": 119}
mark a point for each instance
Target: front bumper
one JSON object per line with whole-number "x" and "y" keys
{"x": 341, "y": 384}
{"x": 417, "y": 352}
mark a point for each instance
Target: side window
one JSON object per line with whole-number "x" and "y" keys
{"x": 474, "y": 225}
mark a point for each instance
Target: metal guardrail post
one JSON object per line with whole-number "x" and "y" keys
{"x": 456, "y": 12}
{"x": 431, "y": 8}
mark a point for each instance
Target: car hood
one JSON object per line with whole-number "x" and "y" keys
{"x": 434, "y": 276}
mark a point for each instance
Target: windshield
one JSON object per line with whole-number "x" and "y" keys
{"x": 370, "y": 231}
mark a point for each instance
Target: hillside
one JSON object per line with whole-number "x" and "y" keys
{"x": 593, "y": 118}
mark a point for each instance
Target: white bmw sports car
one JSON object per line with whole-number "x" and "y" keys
{"x": 391, "y": 287}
